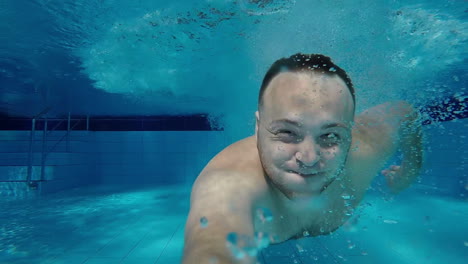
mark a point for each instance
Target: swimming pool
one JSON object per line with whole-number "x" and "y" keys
{"x": 116, "y": 189}
{"x": 142, "y": 224}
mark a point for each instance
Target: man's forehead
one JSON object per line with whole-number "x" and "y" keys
{"x": 324, "y": 123}
{"x": 301, "y": 84}
{"x": 307, "y": 95}
{"x": 307, "y": 118}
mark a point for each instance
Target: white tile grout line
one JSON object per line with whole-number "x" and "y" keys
{"x": 139, "y": 241}
{"x": 170, "y": 239}
{"x": 112, "y": 239}
{"x": 53, "y": 259}
{"x": 263, "y": 258}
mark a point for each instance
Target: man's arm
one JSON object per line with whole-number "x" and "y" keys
{"x": 410, "y": 143}
{"x": 224, "y": 201}
{"x": 383, "y": 130}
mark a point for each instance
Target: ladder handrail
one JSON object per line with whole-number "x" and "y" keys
{"x": 56, "y": 126}
{"x": 46, "y": 152}
{"x": 31, "y": 143}
{"x": 61, "y": 139}
{"x": 43, "y": 112}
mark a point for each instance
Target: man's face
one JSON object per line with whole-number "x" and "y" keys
{"x": 304, "y": 131}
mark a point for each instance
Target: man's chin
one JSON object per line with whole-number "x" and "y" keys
{"x": 305, "y": 194}
{"x": 306, "y": 200}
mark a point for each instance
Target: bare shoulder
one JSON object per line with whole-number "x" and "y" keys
{"x": 224, "y": 195}
{"x": 235, "y": 171}
{"x": 239, "y": 156}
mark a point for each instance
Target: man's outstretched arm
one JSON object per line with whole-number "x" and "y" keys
{"x": 220, "y": 205}
{"x": 410, "y": 143}
{"x": 387, "y": 128}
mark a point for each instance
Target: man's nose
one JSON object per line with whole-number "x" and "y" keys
{"x": 308, "y": 153}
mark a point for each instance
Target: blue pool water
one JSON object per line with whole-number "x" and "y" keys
{"x": 155, "y": 89}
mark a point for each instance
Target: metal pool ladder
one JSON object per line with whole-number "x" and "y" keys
{"x": 34, "y": 184}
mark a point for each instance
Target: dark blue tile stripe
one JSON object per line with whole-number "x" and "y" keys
{"x": 115, "y": 123}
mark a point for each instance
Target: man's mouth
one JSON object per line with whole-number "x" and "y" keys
{"x": 305, "y": 175}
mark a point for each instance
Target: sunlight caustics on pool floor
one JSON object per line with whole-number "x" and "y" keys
{"x": 96, "y": 226}
{"x": 145, "y": 226}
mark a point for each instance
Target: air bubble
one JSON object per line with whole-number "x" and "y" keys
{"x": 346, "y": 196}
{"x": 232, "y": 238}
{"x": 300, "y": 249}
{"x": 264, "y": 214}
{"x": 203, "y": 222}
{"x": 244, "y": 245}
{"x": 262, "y": 240}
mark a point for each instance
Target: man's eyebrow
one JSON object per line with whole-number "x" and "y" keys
{"x": 335, "y": 124}
{"x": 296, "y": 123}
{"x": 285, "y": 120}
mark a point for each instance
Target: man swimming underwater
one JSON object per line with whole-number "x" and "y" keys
{"x": 308, "y": 165}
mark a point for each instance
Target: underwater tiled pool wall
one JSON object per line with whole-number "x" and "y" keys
{"x": 154, "y": 157}
{"x": 67, "y": 165}
{"x": 113, "y": 158}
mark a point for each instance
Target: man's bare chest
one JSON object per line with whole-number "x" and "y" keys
{"x": 336, "y": 206}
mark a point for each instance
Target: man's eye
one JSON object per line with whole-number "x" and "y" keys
{"x": 331, "y": 139}
{"x": 285, "y": 133}
{"x": 286, "y": 136}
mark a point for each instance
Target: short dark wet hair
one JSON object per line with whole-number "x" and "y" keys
{"x": 305, "y": 62}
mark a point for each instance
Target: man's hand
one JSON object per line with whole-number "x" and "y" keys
{"x": 398, "y": 178}
{"x": 392, "y": 174}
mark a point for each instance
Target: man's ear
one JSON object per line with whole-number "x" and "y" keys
{"x": 257, "y": 120}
